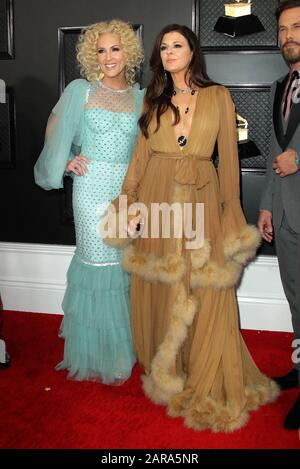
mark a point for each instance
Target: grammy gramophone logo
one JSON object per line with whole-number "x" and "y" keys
{"x": 238, "y": 19}
{"x": 242, "y": 128}
{"x": 247, "y": 148}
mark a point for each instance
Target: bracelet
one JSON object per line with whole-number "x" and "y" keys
{"x": 297, "y": 161}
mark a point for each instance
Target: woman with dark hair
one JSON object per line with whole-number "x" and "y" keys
{"x": 184, "y": 308}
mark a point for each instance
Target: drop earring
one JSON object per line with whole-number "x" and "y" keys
{"x": 165, "y": 77}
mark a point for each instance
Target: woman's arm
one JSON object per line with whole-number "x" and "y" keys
{"x": 240, "y": 240}
{"x": 136, "y": 170}
{"x": 63, "y": 129}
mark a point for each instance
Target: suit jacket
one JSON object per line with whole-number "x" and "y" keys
{"x": 282, "y": 195}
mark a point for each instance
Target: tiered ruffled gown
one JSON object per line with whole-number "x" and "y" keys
{"x": 96, "y": 325}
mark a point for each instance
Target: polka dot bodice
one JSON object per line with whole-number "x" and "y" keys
{"x": 109, "y": 135}
{"x": 110, "y": 129}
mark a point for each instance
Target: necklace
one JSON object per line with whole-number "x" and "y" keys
{"x": 183, "y": 90}
{"x": 182, "y": 139}
{"x": 122, "y": 90}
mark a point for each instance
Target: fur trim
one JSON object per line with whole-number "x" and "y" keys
{"x": 243, "y": 258}
{"x": 259, "y": 394}
{"x": 162, "y": 384}
{"x": 153, "y": 392}
{"x": 167, "y": 269}
{"x": 212, "y": 275}
{"x": 200, "y": 257}
{"x": 179, "y": 403}
{"x": 217, "y": 416}
{"x": 209, "y": 414}
{"x": 238, "y": 250}
{"x": 241, "y": 246}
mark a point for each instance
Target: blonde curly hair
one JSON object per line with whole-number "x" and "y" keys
{"x": 87, "y": 48}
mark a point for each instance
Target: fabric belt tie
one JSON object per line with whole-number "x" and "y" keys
{"x": 187, "y": 171}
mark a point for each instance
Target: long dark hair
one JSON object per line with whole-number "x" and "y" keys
{"x": 160, "y": 89}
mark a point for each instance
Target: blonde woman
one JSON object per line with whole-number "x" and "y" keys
{"x": 90, "y": 135}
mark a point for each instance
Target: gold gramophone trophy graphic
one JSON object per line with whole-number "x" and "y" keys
{"x": 238, "y": 20}
{"x": 246, "y": 147}
{"x": 242, "y": 128}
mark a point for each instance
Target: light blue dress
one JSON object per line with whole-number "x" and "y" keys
{"x": 96, "y": 324}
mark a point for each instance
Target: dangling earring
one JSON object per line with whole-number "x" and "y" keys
{"x": 165, "y": 77}
{"x": 101, "y": 74}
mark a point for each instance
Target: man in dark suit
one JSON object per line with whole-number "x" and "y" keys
{"x": 280, "y": 204}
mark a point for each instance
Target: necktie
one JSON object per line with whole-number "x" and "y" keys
{"x": 292, "y": 86}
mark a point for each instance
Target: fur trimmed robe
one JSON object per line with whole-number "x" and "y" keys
{"x": 184, "y": 309}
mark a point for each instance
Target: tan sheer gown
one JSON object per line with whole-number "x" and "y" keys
{"x": 184, "y": 309}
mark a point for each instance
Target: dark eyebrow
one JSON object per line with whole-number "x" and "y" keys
{"x": 174, "y": 42}
{"x": 285, "y": 26}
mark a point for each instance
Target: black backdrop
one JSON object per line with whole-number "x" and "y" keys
{"x": 31, "y": 215}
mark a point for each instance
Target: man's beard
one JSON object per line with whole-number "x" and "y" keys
{"x": 292, "y": 56}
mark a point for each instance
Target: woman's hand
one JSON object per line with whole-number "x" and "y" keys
{"x": 135, "y": 226}
{"x": 78, "y": 165}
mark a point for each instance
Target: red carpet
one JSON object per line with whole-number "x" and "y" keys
{"x": 39, "y": 408}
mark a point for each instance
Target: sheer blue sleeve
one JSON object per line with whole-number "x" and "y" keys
{"x": 63, "y": 136}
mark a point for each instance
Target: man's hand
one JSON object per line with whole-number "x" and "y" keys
{"x": 265, "y": 225}
{"x": 284, "y": 164}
